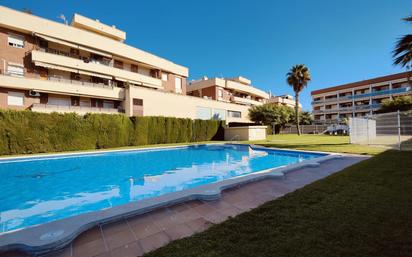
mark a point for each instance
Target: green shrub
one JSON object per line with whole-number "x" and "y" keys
{"x": 30, "y": 132}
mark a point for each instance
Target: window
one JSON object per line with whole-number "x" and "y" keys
{"x": 85, "y": 103}
{"x": 164, "y": 76}
{"x": 15, "y": 98}
{"x": 234, "y": 114}
{"x": 108, "y": 104}
{"x": 144, "y": 71}
{"x": 220, "y": 93}
{"x": 118, "y": 64}
{"x": 59, "y": 101}
{"x": 178, "y": 85}
{"x": 15, "y": 70}
{"x": 16, "y": 41}
{"x": 134, "y": 68}
{"x": 155, "y": 73}
{"x": 137, "y": 102}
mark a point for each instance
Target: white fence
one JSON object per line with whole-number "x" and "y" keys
{"x": 392, "y": 130}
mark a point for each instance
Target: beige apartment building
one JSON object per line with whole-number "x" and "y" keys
{"x": 285, "y": 100}
{"x": 86, "y": 67}
{"x": 331, "y": 105}
{"x": 236, "y": 90}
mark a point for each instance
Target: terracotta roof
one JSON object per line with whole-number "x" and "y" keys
{"x": 363, "y": 82}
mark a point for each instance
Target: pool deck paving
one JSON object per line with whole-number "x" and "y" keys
{"x": 137, "y": 235}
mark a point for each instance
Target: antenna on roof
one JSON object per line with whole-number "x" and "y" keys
{"x": 63, "y": 18}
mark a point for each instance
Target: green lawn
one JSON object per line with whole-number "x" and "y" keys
{"x": 364, "y": 210}
{"x": 339, "y": 144}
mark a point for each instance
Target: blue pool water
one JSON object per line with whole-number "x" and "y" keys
{"x": 39, "y": 190}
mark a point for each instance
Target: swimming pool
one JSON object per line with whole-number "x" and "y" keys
{"x": 43, "y": 189}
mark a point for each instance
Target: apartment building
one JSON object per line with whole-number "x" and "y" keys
{"x": 285, "y": 100}
{"x": 357, "y": 99}
{"x": 86, "y": 67}
{"x": 236, "y": 90}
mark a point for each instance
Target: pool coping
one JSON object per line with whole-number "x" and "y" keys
{"x": 57, "y": 234}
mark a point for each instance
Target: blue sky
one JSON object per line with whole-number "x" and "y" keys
{"x": 340, "y": 41}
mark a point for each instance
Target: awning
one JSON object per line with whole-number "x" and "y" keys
{"x": 57, "y": 67}
{"x": 54, "y": 67}
{"x": 94, "y": 74}
{"x": 55, "y": 40}
{"x": 137, "y": 82}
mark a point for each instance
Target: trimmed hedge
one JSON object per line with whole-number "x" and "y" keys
{"x": 23, "y": 132}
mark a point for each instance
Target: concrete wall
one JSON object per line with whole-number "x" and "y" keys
{"x": 245, "y": 133}
{"x": 159, "y": 103}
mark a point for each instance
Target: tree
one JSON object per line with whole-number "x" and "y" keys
{"x": 401, "y": 103}
{"x": 272, "y": 115}
{"x": 305, "y": 118}
{"x": 298, "y": 78}
{"x": 402, "y": 55}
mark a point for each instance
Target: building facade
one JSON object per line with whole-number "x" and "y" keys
{"x": 331, "y": 105}
{"x": 284, "y": 100}
{"x": 86, "y": 67}
{"x": 230, "y": 90}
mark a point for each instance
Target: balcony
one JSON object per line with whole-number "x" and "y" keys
{"x": 348, "y": 109}
{"x": 328, "y": 100}
{"x": 246, "y": 101}
{"x": 317, "y": 102}
{"x": 367, "y": 95}
{"x": 48, "y": 108}
{"x": 383, "y": 92}
{"x": 248, "y": 89}
{"x": 62, "y": 86}
{"x": 93, "y": 67}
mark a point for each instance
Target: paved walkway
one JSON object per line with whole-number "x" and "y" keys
{"x": 135, "y": 236}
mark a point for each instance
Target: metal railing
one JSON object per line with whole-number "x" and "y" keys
{"x": 75, "y": 56}
{"x": 374, "y": 93}
{"x": 352, "y": 108}
{"x": 382, "y": 92}
{"x": 77, "y": 82}
{"x": 56, "y": 79}
{"x": 104, "y": 62}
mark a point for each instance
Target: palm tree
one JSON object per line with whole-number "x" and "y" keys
{"x": 298, "y": 78}
{"x": 402, "y": 55}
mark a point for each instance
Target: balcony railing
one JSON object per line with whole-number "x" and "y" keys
{"x": 108, "y": 69}
{"x": 67, "y": 54}
{"x": 382, "y": 92}
{"x": 77, "y": 82}
{"x": 78, "y": 109}
{"x": 247, "y": 101}
{"x": 57, "y": 79}
{"x": 375, "y": 93}
{"x": 352, "y": 108}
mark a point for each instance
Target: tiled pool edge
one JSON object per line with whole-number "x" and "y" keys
{"x": 57, "y": 234}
